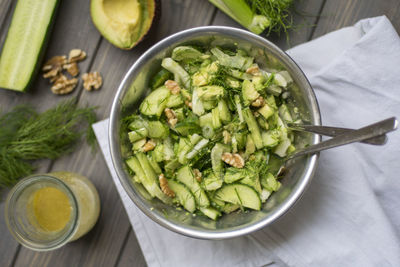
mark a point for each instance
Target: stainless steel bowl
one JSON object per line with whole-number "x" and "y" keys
{"x": 135, "y": 86}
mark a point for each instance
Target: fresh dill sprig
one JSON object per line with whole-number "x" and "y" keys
{"x": 278, "y": 13}
{"x": 26, "y": 135}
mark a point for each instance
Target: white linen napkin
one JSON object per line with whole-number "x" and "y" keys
{"x": 349, "y": 216}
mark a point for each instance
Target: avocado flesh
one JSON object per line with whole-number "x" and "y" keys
{"x": 122, "y": 22}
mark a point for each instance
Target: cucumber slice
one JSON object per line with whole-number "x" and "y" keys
{"x": 253, "y": 127}
{"x": 239, "y": 194}
{"x": 224, "y": 113}
{"x": 185, "y": 176}
{"x": 216, "y": 155}
{"x": 211, "y": 213}
{"x": 151, "y": 178}
{"x": 25, "y": 43}
{"x": 229, "y": 207}
{"x": 174, "y": 101}
{"x": 183, "y": 195}
{"x": 160, "y": 78}
{"x": 155, "y": 103}
{"x": 137, "y": 134}
{"x": 157, "y": 129}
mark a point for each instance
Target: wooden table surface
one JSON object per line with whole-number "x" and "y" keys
{"x": 112, "y": 242}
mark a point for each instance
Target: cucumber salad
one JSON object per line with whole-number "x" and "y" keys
{"x": 206, "y": 137}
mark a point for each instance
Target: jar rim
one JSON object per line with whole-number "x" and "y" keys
{"x": 10, "y": 213}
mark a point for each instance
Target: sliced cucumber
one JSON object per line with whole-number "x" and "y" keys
{"x": 212, "y": 182}
{"x": 253, "y": 127}
{"x": 151, "y": 178}
{"x": 137, "y": 134}
{"x": 157, "y": 129}
{"x": 185, "y": 176}
{"x": 183, "y": 195}
{"x": 211, "y": 213}
{"x": 216, "y": 155}
{"x": 25, "y": 43}
{"x": 224, "y": 113}
{"x": 160, "y": 78}
{"x": 239, "y": 194}
{"x": 249, "y": 93}
{"x": 229, "y": 208}
{"x": 174, "y": 101}
{"x": 155, "y": 103}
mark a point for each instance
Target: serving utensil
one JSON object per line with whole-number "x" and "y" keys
{"x": 334, "y": 131}
{"x": 369, "y": 132}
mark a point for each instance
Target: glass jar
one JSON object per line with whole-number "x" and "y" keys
{"x": 45, "y": 211}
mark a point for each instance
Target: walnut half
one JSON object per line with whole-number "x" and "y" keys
{"x": 235, "y": 160}
{"x": 197, "y": 174}
{"x": 171, "y": 117}
{"x": 172, "y": 86}
{"x": 92, "y": 80}
{"x": 150, "y": 145}
{"x": 164, "y": 186}
{"x": 62, "y": 85}
{"x": 54, "y": 66}
{"x": 259, "y": 102}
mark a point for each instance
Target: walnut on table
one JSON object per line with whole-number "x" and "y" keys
{"x": 76, "y": 55}
{"x": 62, "y": 85}
{"x": 54, "y": 66}
{"x": 92, "y": 80}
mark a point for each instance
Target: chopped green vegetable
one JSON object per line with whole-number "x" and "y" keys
{"x": 191, "y": 140}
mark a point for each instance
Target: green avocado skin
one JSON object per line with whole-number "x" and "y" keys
{"x": 150, "y": 10}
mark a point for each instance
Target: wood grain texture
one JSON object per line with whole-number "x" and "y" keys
{"x": 305, "y": 17}
{"x": 67, "y": 34}
{"x": 112, "y": 241}
{"x": 340, "y": 13}
{"x": 127, "y": 257}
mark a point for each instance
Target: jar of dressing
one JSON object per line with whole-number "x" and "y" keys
{"x": 46, "y": 211}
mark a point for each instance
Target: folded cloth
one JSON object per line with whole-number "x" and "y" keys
{"x": 349, "y": 215}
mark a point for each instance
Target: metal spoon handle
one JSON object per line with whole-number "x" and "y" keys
{"x": 335, "y": 131}
{"x": 361, "y": 134}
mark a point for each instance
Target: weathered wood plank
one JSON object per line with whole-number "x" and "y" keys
{"x": 127, "y": 258}
{"x": 5, "y": 8}
{"x": 107, "y": 238}
{"x": 340, "y": 13}
{"x": 304, "y": 20}
{"x": 67, "y": 34}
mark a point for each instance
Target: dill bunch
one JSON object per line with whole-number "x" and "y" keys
{"x": 26, "y": 135}
{"x": 277, "y": 11}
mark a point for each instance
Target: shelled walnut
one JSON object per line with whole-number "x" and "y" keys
{"x": 62, "y": 85}
{"x": 92, "y": 80}
{"x": 164, "y": 186}
{"x": 235, "y": 160}
{"x": 171, "y": 117}
{"x": 172, "y": 86}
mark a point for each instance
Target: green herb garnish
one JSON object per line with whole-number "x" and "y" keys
{"x": 26, "y": 135}
{"x": 259, "y": 15}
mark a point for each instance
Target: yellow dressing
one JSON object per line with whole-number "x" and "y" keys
{"x": 51, "y": 208}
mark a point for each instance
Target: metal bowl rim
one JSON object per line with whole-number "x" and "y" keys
{"x": 116, "y": 157}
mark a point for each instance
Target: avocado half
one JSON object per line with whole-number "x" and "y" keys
{"x": 124, "y": 23}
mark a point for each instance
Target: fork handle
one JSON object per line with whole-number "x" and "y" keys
{"x": 335, "y": 131}
{"x": 361, "y": 134}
